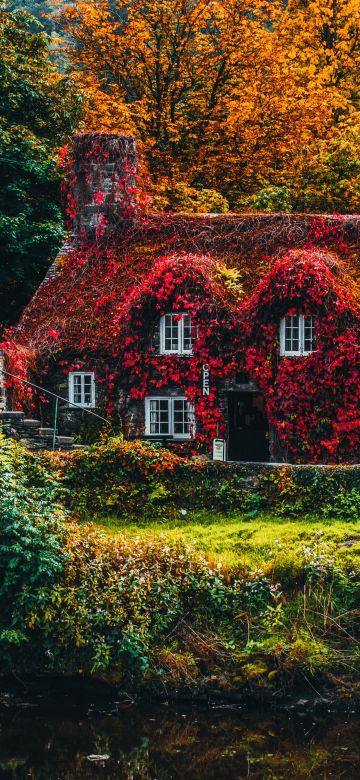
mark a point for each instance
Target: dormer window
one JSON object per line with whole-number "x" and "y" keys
{"x": 297, "y": 336}
{"x": 176, "y": 334}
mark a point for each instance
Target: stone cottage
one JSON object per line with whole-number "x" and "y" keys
{"x": 236, "y": 335}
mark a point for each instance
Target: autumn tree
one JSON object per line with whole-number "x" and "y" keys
{"x": 164, "y": 70}
{"x": 258, "y": 100}
{"x": 39, "y": 109}
{"x": 320, "y": 41}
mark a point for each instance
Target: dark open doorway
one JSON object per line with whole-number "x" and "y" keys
{"x": 248, "y": 427}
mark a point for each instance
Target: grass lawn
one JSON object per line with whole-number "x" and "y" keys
{"x": 264, "y": 542}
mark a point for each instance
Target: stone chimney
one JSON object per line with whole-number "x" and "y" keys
{"x": 104, "y": 167}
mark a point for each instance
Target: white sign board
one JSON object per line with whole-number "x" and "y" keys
{"x": 219, "y": 449}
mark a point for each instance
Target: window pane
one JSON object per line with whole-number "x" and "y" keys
{"x": 288, "y": 332}
{"x": 171, "y": 333}
{"x": 184, "y": 420}
{"x": 77, "y": 389}
{"x": 164, "y": 416}
{"x": 87, "y": 389}
{"x": 189, "y": 419}
{"x": 154, "y": 416}
{"x": 159, "y": 416}
{"x": 309, "y": 334}
{"x": 292, "y": 342}
{"x": 179, "y": 416}
{"x": 187, "y": 333}
{"x": 295, "y": 333}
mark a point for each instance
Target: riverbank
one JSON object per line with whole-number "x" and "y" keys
{"x": 94, "y": 696}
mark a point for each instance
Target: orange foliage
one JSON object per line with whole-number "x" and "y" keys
{"x": 237, "y": 96}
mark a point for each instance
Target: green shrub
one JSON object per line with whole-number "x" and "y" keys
{"x": 31, "y": 540}
{"x": 117, "y": 599}
{"x": 183, "y": 197}
{"x": 139, "y": 479}
{"x": 270, "y": 198}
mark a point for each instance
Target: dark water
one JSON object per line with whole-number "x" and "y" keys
{"x": 167, "y": 743}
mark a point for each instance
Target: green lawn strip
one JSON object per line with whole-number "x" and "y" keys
{"x": 265, "y": 542}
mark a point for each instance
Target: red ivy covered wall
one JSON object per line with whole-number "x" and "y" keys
{"x": 313, "y": 402}
{"x": 188, "y": 284}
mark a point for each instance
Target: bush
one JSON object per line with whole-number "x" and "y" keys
{"x": 183, "y": 197}
{"x": 32, "y": 534}
{"x": 118, "y": 598}
{"x": 117, "y": 477}
{"x": 269, "y": 198}
{"x": 139, "y": 479}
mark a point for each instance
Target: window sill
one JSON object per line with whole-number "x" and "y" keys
{"x": 165, "y": 437}
{"x": 178, "y": 354}
{"x": 78, "y": 407}
{"x": 297, "y": 354}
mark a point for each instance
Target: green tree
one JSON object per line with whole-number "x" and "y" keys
{"x": 38, "y": 110}
{"x": 41, "y": 9}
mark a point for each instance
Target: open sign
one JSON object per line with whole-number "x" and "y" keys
{"x": 205, "y": 380}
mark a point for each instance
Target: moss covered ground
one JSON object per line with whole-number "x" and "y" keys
{"x": 266, "y": 541}
{"x": 305, "y": 629}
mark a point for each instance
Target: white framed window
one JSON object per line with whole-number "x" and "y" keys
{"x": 169, "y": 417}
{"x": 82, "y": 389}
{"x": 297, "y": 335}
{"x": 176, "y": 334}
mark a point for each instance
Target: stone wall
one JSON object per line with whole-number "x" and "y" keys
{"x": 31, "y": 434}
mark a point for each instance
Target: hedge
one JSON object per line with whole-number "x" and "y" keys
{"x": 131, "y": 478}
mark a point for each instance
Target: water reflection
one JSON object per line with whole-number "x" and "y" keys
{"x": 169, "y": 744}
